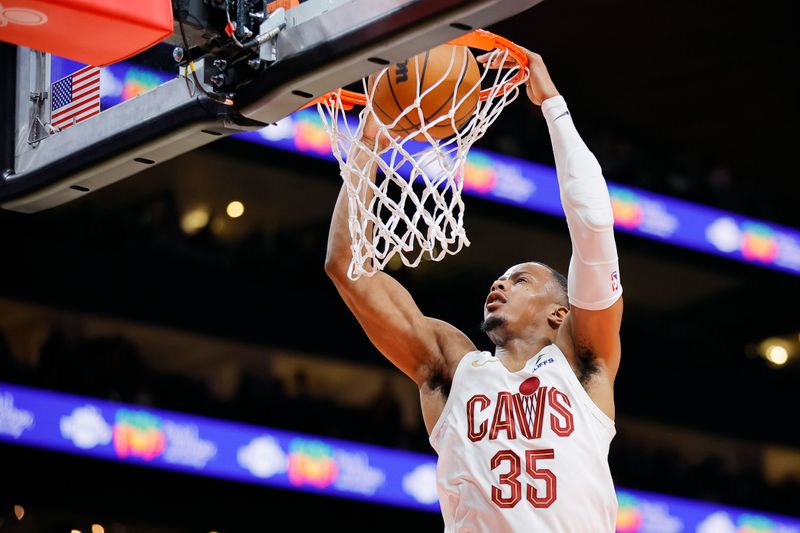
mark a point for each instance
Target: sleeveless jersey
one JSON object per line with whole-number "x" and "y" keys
{"x": 523, "y": 451}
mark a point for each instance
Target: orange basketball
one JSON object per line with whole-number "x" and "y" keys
{"x": 452, "y": 75}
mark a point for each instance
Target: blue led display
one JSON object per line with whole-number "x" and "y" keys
{"x": 240, "y": 452}
{"x": 534, "y": 186}
{"x": 521, "y": 183}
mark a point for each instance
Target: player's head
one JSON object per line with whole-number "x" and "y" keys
{"x": 529, "y": 299}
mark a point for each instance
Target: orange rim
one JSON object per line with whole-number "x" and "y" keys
{"x": 480, "y": 39}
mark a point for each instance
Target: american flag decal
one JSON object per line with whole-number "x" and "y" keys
{"x": 75, "y": 97}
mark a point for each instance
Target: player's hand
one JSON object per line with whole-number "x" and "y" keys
{"x": 539, "y": 86}
{"x": 372, "y": 134}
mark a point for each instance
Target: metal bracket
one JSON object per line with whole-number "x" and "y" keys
{"x": 268, "y": 33}
{"x": 36, "y": 126}
{"x": 38, "y": 98}
{"x": 37, "y": 131}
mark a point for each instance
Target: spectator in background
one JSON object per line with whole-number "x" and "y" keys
{"x": 385, "y": 415}
{"x": 10, "y": 368}
{"x": 261, "y": 396}
{"x": 59, "y": 361}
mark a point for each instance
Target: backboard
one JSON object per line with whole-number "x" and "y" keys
{"x": 227, "y": 79}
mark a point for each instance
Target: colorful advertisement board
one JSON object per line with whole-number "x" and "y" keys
{"x": 288, "y": 460}
{"x": 215, "y": 448}
{"x": 519, "y": 183}
{"x": 534, "y": 186}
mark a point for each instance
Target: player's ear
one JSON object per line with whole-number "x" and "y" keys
{"x": 557, "y": 315}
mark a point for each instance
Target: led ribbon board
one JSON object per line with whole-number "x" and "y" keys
{"x": 282, "y": 459}
{"x": 534, "y": 186}
{"x": 520, "y": 183}
{"x": 215, "y": 448}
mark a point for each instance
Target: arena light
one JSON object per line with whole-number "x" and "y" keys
{"x": 777, "y": 350}
{"x": 97, "y": 528}
{"x": 235, "y": 209}
{"x": 19, "y": 512}
{"x": 776, "y": 354}
{"x": 194, "y": 220}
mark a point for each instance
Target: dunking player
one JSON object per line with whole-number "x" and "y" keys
{"x": 522, "y": 435}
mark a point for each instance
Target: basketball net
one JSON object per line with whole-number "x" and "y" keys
{"x": 529, "y": 406}
{"x": 414, "y": 207}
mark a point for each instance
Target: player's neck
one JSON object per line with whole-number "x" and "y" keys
{"x": 514, "y": 353}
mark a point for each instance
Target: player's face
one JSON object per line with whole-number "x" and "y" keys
{"x": 519, "y": 296}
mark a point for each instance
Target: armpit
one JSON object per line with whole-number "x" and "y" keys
{"x": 586, "y": 364}
{"x": 439, "y": 380}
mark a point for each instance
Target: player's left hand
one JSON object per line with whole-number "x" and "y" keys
{"x": 539, "y": 86}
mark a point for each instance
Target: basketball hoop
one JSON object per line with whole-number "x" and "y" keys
{"x": 530, "y": 395}
{"x": 416, "y": 209}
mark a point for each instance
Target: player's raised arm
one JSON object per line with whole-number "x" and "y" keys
{"x": 594, "y": 287}
{"x": 423, "y": 348}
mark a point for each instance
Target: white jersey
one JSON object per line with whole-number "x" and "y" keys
{"x": 523, "y": 451}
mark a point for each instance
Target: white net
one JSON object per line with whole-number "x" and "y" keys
{"x": 413, "y": 207}
{"x": 529, "y": 407}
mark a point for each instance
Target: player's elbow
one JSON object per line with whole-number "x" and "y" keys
{"x": 585, "y": 194}
{"x": 336, "y": 269}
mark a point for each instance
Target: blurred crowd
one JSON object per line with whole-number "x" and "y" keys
{"x": 112, "y": 368}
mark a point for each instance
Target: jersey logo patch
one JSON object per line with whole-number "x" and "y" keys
{"x": 478, "y": 364}
{"x": 539, "y": 363}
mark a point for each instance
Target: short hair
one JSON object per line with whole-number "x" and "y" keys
{"x": 561, "y": 282}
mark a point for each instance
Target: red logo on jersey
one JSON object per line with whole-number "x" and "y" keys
{"x": 529, "y": 386}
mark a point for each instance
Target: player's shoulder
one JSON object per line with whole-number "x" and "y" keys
{"x": 453, "y": 343}
{"x": 452, "y": 346}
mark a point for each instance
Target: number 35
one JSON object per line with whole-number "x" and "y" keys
{"x": 510, "y": 479}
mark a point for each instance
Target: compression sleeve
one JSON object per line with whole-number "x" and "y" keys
{"x": 593, "y": 282}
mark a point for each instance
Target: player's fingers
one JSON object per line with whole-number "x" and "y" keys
{"x": 490, "y": 60}
{"x": 496, "y": 60}
{"x": 371, "y": 82}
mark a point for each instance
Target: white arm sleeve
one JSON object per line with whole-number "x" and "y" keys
{"x": 593, "y": 281}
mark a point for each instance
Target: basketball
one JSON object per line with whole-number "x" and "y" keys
{"x": 529, "y": 386}
{"x": 450, "y": 75}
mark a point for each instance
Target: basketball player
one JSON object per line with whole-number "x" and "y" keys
{"x": 522, "y": 434}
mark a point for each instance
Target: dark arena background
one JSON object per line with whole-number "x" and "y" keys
{"x": 174, "y": 359}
